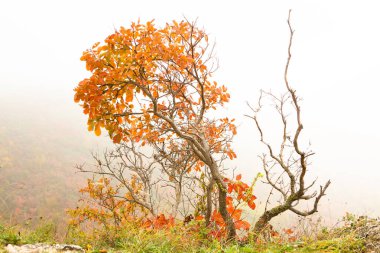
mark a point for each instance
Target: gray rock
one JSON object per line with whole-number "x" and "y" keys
{"x": 44, "y": 248}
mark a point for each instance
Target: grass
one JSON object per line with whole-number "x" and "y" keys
{"x": 180, "y": 239}
{"x": 18, "y": 235}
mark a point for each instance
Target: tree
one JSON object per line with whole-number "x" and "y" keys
{"x": 286, "y": 172}
{"x": 153, "y": 85}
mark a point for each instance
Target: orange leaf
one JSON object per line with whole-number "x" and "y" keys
{"x": 217, "y": 217}
{"x": 97, "y": 130}
{"x": 242, "y": 225}
{"x": 237, "y": 214}
{"x": 117, "y": 138}
{"x": 229, "y": 200}
{"x": 251, "y": 203}
{"x": 129, "y": 96}
{"x": 230, "y": 209}
{"x": 230, "y": 188}
{"x": 199, "y": 217}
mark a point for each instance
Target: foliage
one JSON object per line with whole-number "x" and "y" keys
{"x": 158, "y": 222}
{"x": 8, "y": 235}
{"x": 101, "y": 210}
{"x": 136, "y": 74}
{"x": 239, "y": 193}
{"x": 45, "y": 232}
{"x": 100, "y": 205}
{"x": 154, "y": 235}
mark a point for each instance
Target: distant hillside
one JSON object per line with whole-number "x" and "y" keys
{"x": 39, "y": 147}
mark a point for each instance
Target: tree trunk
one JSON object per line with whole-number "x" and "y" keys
{"x": 209, "y": 201}
{"x": 260, "y": 225}
{"x": 231, "y": 231}
{"x": 178, "y": 194}
{"x": 230, "y": 226}
{"x": 264, "y": 219}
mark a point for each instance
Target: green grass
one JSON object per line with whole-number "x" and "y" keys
{"x": 178, "y": 239}
{"x": 17, "y": 235}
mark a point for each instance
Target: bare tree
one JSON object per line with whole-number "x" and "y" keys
{"x": 194, "y": 188}
{"x": 166, "y": 173}
{"x": 176, "y": 163}
{"x": 202, "y": 189}
{"x": 119, "y": 165}
{"x": 285, "y": 172}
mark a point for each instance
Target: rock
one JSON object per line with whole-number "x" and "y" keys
{"x": 44, "y": 248}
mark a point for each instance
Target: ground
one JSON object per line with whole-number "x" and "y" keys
{"x": 357, "y": 234}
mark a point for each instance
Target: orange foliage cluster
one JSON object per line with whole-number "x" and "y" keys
{"x": 242, "y": 190}
{"x": 143, "y": 76}
{"x": 158, "y": 222}
{"x": 102, "y": 207}
{"x": 239, "y": 193}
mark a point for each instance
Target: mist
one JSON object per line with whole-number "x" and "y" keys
{"x": 335, "y": 67}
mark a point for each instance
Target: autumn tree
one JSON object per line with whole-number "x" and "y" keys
{"x": 153, "y": 85}
{"x": 286, "y": 171}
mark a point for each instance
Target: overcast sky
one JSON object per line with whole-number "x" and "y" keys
{"x": 335, "y": 69}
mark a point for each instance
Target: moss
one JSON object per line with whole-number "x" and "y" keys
{"x": 346, "y": 244}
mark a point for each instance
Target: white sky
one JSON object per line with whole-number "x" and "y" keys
{"x": 335, "y": 68}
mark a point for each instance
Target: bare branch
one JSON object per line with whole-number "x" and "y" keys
{"x": 292, "y": 160}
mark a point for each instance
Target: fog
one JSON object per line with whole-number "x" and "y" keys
{"x": 335, "y": 69}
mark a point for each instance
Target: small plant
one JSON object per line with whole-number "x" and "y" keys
{"x": 8, "y": 235}
{"x": 45, "y": 232}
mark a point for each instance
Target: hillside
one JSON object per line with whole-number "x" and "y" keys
{"x": 39, "y": 147}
